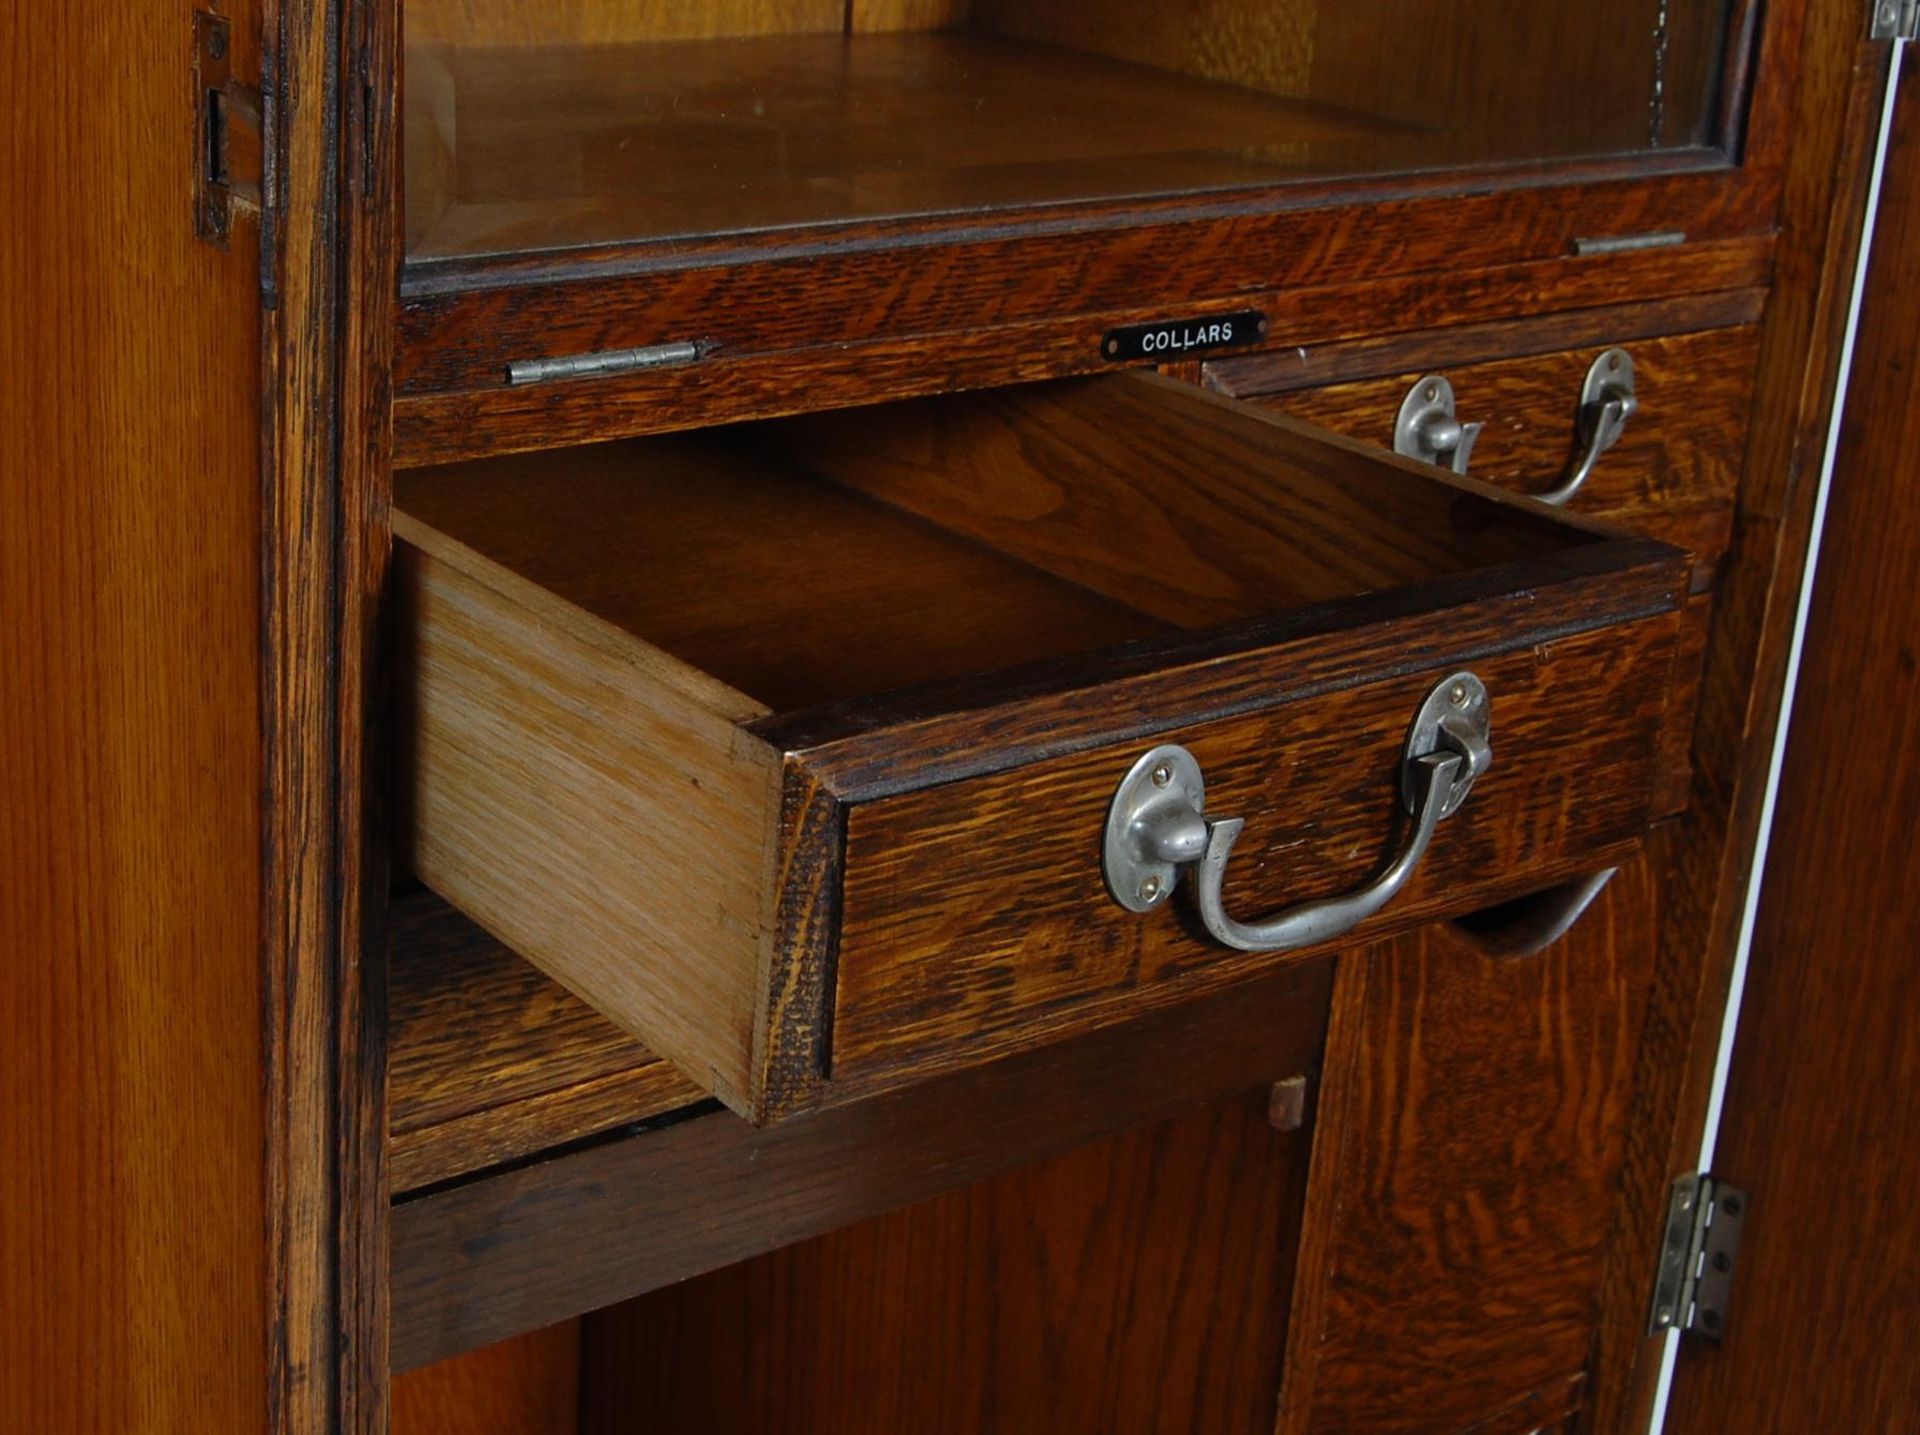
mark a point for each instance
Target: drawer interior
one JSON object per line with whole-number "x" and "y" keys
{"x": 823, "y": 560}
{"x": 791, "y": 588}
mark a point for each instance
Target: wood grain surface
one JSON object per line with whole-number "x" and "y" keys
{"x": 368, "y": 179}
{"x": 1279, "y": 371}
{"x": 794, "y": 338}
{"x": 1134, "y": 1285}
{"x": 1706, "y": 858}
{"x": 529, "y": 1246}
{"x": 1675, "y": 783}
{"x": 786, "y": 587}
{"x": 1671, "y": 475}
{"x": 1266, "y": 45}
{"x": 974, "y": 918}
{"x": 1471, "y": 1135}
{"x": 329, "y": 270}
{"x": 1826, "y": 1064}
{"x": 1487, "y": 66}
{"x": 493, "y": 1061}
{"x": 528, "y": 1385}
{"x": 133, "y": 1019}
{"x": 1195, "y": 509}
{"x": 514, "y": 23}
{"x": 560, "y": 774}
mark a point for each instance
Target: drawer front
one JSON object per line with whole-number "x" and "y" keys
{"x": 805, "y": 885}
{"x": 976, "y": 917}
{"x": 1672, "y": 474}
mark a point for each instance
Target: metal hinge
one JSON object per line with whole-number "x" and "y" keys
{"x": 227, "y": 133}
{"x": 1895, "y": 19}
{"x": 1704, "y": 1216}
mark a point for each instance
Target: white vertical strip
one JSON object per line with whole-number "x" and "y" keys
{"x": 1738, "y": 984}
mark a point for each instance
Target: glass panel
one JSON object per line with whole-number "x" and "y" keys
{"x": 595, "y": 121}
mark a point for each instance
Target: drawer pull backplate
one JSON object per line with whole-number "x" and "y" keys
{"x": 1157, "y": 827}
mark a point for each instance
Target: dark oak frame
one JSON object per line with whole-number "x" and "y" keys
{"x": 329, "y": 242}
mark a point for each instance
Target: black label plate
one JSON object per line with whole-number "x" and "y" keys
{"x": 1177, "y": 338}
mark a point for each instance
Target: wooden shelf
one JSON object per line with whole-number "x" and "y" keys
{"x": 491, "y": 1061}
{"x": 514, "y": 150}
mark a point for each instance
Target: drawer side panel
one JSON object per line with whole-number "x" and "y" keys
{"x": 610, "y": 829}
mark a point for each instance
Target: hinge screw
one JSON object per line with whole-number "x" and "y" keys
{"x": 1457, "y": 695}
{"x": 1162, "y": 774}
{"x": 1149, "y": 888}
{"x": 217, "y": 42}
{"x": 1889, "y": 15}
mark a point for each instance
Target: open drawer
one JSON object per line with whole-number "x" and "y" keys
{"x": 828, "y": 753}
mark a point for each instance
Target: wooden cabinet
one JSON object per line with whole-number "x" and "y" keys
{"x": 595, "y": 582}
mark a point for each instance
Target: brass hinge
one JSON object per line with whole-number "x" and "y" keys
{"x": 227, "y": 133}
{"x": 1895, "y": 19}
{"x": 1704, "y": 1216}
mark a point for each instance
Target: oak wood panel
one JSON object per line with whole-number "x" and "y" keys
{"x": 1138, "y": 1284}
{"x": 1689, "y": 671}
{"x": 1826, "y": 1065}
{"x": 1188, "y": 507}
{"x": 537, "y": 1244}
{"x": 526, "y": 724}
{"x": 333, "y": 187}
{"x": 453, "y": 401}
{"x": 1493, "y": 65}
{"x": 515, "y": 22}
{"x": 973, "y": 918}
{"x": 1834, "y": 100}
{"x": 1673, "y": 472}
{"x": 1279, "y": 371}
{"x": 1472, "y": 1132}
{"x": 873, "y": 15}
{"x": 525, "y": 23}
{"x": 895, "y": 741}
{"x": 134, "y": 1203}
{"x": 527, "y": 1385}
{"x": 493, "y": 1061}
{"x": 793, "y": 591}
{"x": 1265, "y": 45}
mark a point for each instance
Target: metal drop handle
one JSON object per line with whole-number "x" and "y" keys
{"x": 1156, "y": 827}
{"x": 1427, "y": 428}
{"x": 1606, "y": 403}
